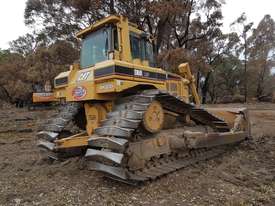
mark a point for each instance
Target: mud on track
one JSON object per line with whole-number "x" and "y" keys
{"x": 244, "y": 176}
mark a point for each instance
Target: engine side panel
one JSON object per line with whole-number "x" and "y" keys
{"x": 106, "y": 79}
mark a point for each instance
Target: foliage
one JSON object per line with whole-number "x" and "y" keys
{"x": 21, "y": 73}
{"x": 262, "y": 57}
{"x": 182, "y": 31}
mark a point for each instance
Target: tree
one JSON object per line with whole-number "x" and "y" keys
{"x": 20, "y": 73}
{"x": 13, "y": 77}
{"x": 182, "y": 31}
{"x": 3, "y": 55}
{"x": 60, "y": 19}
{"x": 261, "y": 53}
{"x": 46, "y": 62}
{"x": 28, "y": 43}
{"x": 246, "y": 27}
{"x": 226, "y": 78}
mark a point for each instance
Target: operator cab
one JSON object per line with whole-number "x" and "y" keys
{"x": 96, "y": 47}
{"x": 106, "y": 40}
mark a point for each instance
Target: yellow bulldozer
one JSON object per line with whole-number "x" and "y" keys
{"x": 43, "y": 97}
{"x": 137, "y": 121}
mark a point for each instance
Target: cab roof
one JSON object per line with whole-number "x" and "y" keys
{"x": 107, "y": 20}
{"x": 97, "y": 25}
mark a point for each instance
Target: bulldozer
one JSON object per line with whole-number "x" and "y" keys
{"x": 43, "y": 97}
{"x": 137, "y": 122}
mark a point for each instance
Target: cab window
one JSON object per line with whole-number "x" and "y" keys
{"x": 135, "y": 47}
{"x": 95, "y": 48}
{"x": 150, "y": 54}
{"x": 115, "y": 37}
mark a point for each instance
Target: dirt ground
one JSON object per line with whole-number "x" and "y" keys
{"x": 244, "y": 176}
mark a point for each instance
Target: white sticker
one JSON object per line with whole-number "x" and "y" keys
{"x": 138, "y": 72}
{"x": 83, "y": 76}
{"x": 106, "y": 86}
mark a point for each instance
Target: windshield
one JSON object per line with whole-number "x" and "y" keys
{"x": 95, "y": 48}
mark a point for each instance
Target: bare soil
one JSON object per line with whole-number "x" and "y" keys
{"x": 243, "y": 176}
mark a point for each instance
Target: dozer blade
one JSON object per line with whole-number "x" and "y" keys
{"x": 234, "y": 117}
{"x": 111, "y": 156}
{"x": 108, "y": 142}
{"x": 214, "y": 139}
{"x": 50, "y": 136}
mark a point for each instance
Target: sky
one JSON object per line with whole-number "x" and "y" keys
{"x": 11, "y": 21}
{"x": 12, "y": 16}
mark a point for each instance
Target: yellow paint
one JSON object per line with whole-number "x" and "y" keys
{"x": 227, "y": 116}
{"x": 78, "y": 140}
{"x": 108, "y": 106}
{"x": 95, "y": 113}
{"x": 95, "y": 87}
{"x": 124, "y": 39}
{"x": 98, "y": 25}
{"x": 43, "y": 97}
{"x": 153, "y": 118}
{"x": 185, "y": 71}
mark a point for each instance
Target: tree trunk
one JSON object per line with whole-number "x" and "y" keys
{"x": 161, "y": 28}
{"x": 6, "y": 94}
{"x": 205, "y": 87}
{"x": 112, "y": 7}
{"x": 260, "y": 87}
{"x": 198, "y": 80}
